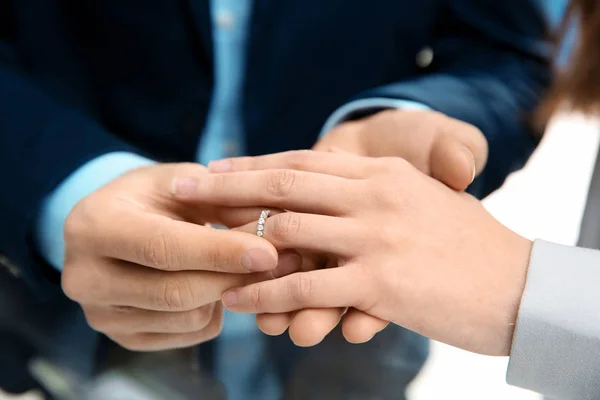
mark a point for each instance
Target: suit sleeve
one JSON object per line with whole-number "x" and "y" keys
{"x": 41, "y": 143}
{"x": 556, "y": 345}
{"x": 491, "y": 64}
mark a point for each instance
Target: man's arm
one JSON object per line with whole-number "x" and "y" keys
{"x": 41, "y": 143}
{"x": 491, "y": 63}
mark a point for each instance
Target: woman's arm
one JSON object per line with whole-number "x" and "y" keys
{"x": 556, "y": 345}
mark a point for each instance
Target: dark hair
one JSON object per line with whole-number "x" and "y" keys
{"x": 577, "y": 85}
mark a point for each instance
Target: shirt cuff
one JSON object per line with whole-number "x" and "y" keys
{"x": 85, "y": 180}
{"x": 556, "y": 345}
{"x": 362, "y": 107}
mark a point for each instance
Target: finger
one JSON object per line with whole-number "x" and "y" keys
{"x": 281, "y": 188}
{"x": 127, "y": 320}
{"x": 131, "y": 285}
{"x": 168, "y": 341}
{"x": 359, "y": 327}
{"x": 309, "y": 327}
{"x": 452, "y": 163}
{"x": 277, "y": 324}
{"x": 338, "y": 163}
{"x": 237, "y": 216}
{"x": 169, "y": 245}
{"x": 317, "y": 233}
{"x": 274, "y": 324}
{"x": 456, "y": 159}
{"x": 328, "y": 288}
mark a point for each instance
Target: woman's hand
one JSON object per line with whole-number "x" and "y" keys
{"x": 408, "y": 249}
{"x": 451, "y": 151}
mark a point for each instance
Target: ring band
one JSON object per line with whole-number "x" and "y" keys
{"x": 262, "y": 220}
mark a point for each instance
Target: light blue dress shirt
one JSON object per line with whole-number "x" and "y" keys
{"x": 239, "y": 358}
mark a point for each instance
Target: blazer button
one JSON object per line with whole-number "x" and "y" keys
{"x": 425, "y": 57}
{"x": 10, "y": 266}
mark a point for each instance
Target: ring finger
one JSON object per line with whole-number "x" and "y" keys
{"x": 332, "y": 235}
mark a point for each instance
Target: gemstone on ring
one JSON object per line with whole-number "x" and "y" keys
{"x": 260, "y": 228}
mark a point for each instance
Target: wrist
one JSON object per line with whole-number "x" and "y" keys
{"x": 347, "y": 137}
{"x": 517, "y": 266}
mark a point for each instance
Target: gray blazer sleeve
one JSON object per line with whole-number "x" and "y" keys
{"x": 556, "y": 345}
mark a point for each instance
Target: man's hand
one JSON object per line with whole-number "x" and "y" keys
{"x": 146, "y": 269}
{"x": 447, "y": 149}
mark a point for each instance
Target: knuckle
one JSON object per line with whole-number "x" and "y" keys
{"x": 302, "y": 288}
{"x": 280, "y": 182}
{"x": 131, "y": 342}
{"x": 174, "y": 294}
{"x": 213, "y": 330}
{"x": 256, "y": 296}
{"x": 73, "y": 283}
{"x": 384, "y": 197}
{"x": 217, "y": 183}
{"x": 285, "y": 226}
{"x": 394, "y": 165}
{"x": 298, "y": 159}
{"x": 198, "y": 319}
{"x": 214, "y": 333}
{"x": 80, "y": 223}
{"x": 365, "y": 288}
{"x": 217, "y": 259}
{"x": 95, "y": 321}
{"x": 158, "y": 253}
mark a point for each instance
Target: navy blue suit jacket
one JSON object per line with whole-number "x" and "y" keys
{"x": 82, "y": 78}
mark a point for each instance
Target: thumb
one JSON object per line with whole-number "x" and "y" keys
{"x": 456, "y": 162}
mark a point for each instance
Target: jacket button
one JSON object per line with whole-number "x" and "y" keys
{"x": 425, "y": 57}
{"x": 10, "y": 266}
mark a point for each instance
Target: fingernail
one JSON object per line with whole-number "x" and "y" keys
{"x": 471, "y": 160}
{"x": 219, "y": 166}
{"x": 184, "y": 186}
{"x": 229, "y": 298}
{"x": 255, "y": 260}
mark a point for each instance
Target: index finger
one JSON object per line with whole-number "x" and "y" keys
{"x": 280, "y": 188}
{"x": 344, "y": 165}
{"x": 163, "y": 243}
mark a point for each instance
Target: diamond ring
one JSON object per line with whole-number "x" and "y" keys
{"x": 260, "y": 229}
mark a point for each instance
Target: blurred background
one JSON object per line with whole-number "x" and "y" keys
{"x": 544, "y": 200}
